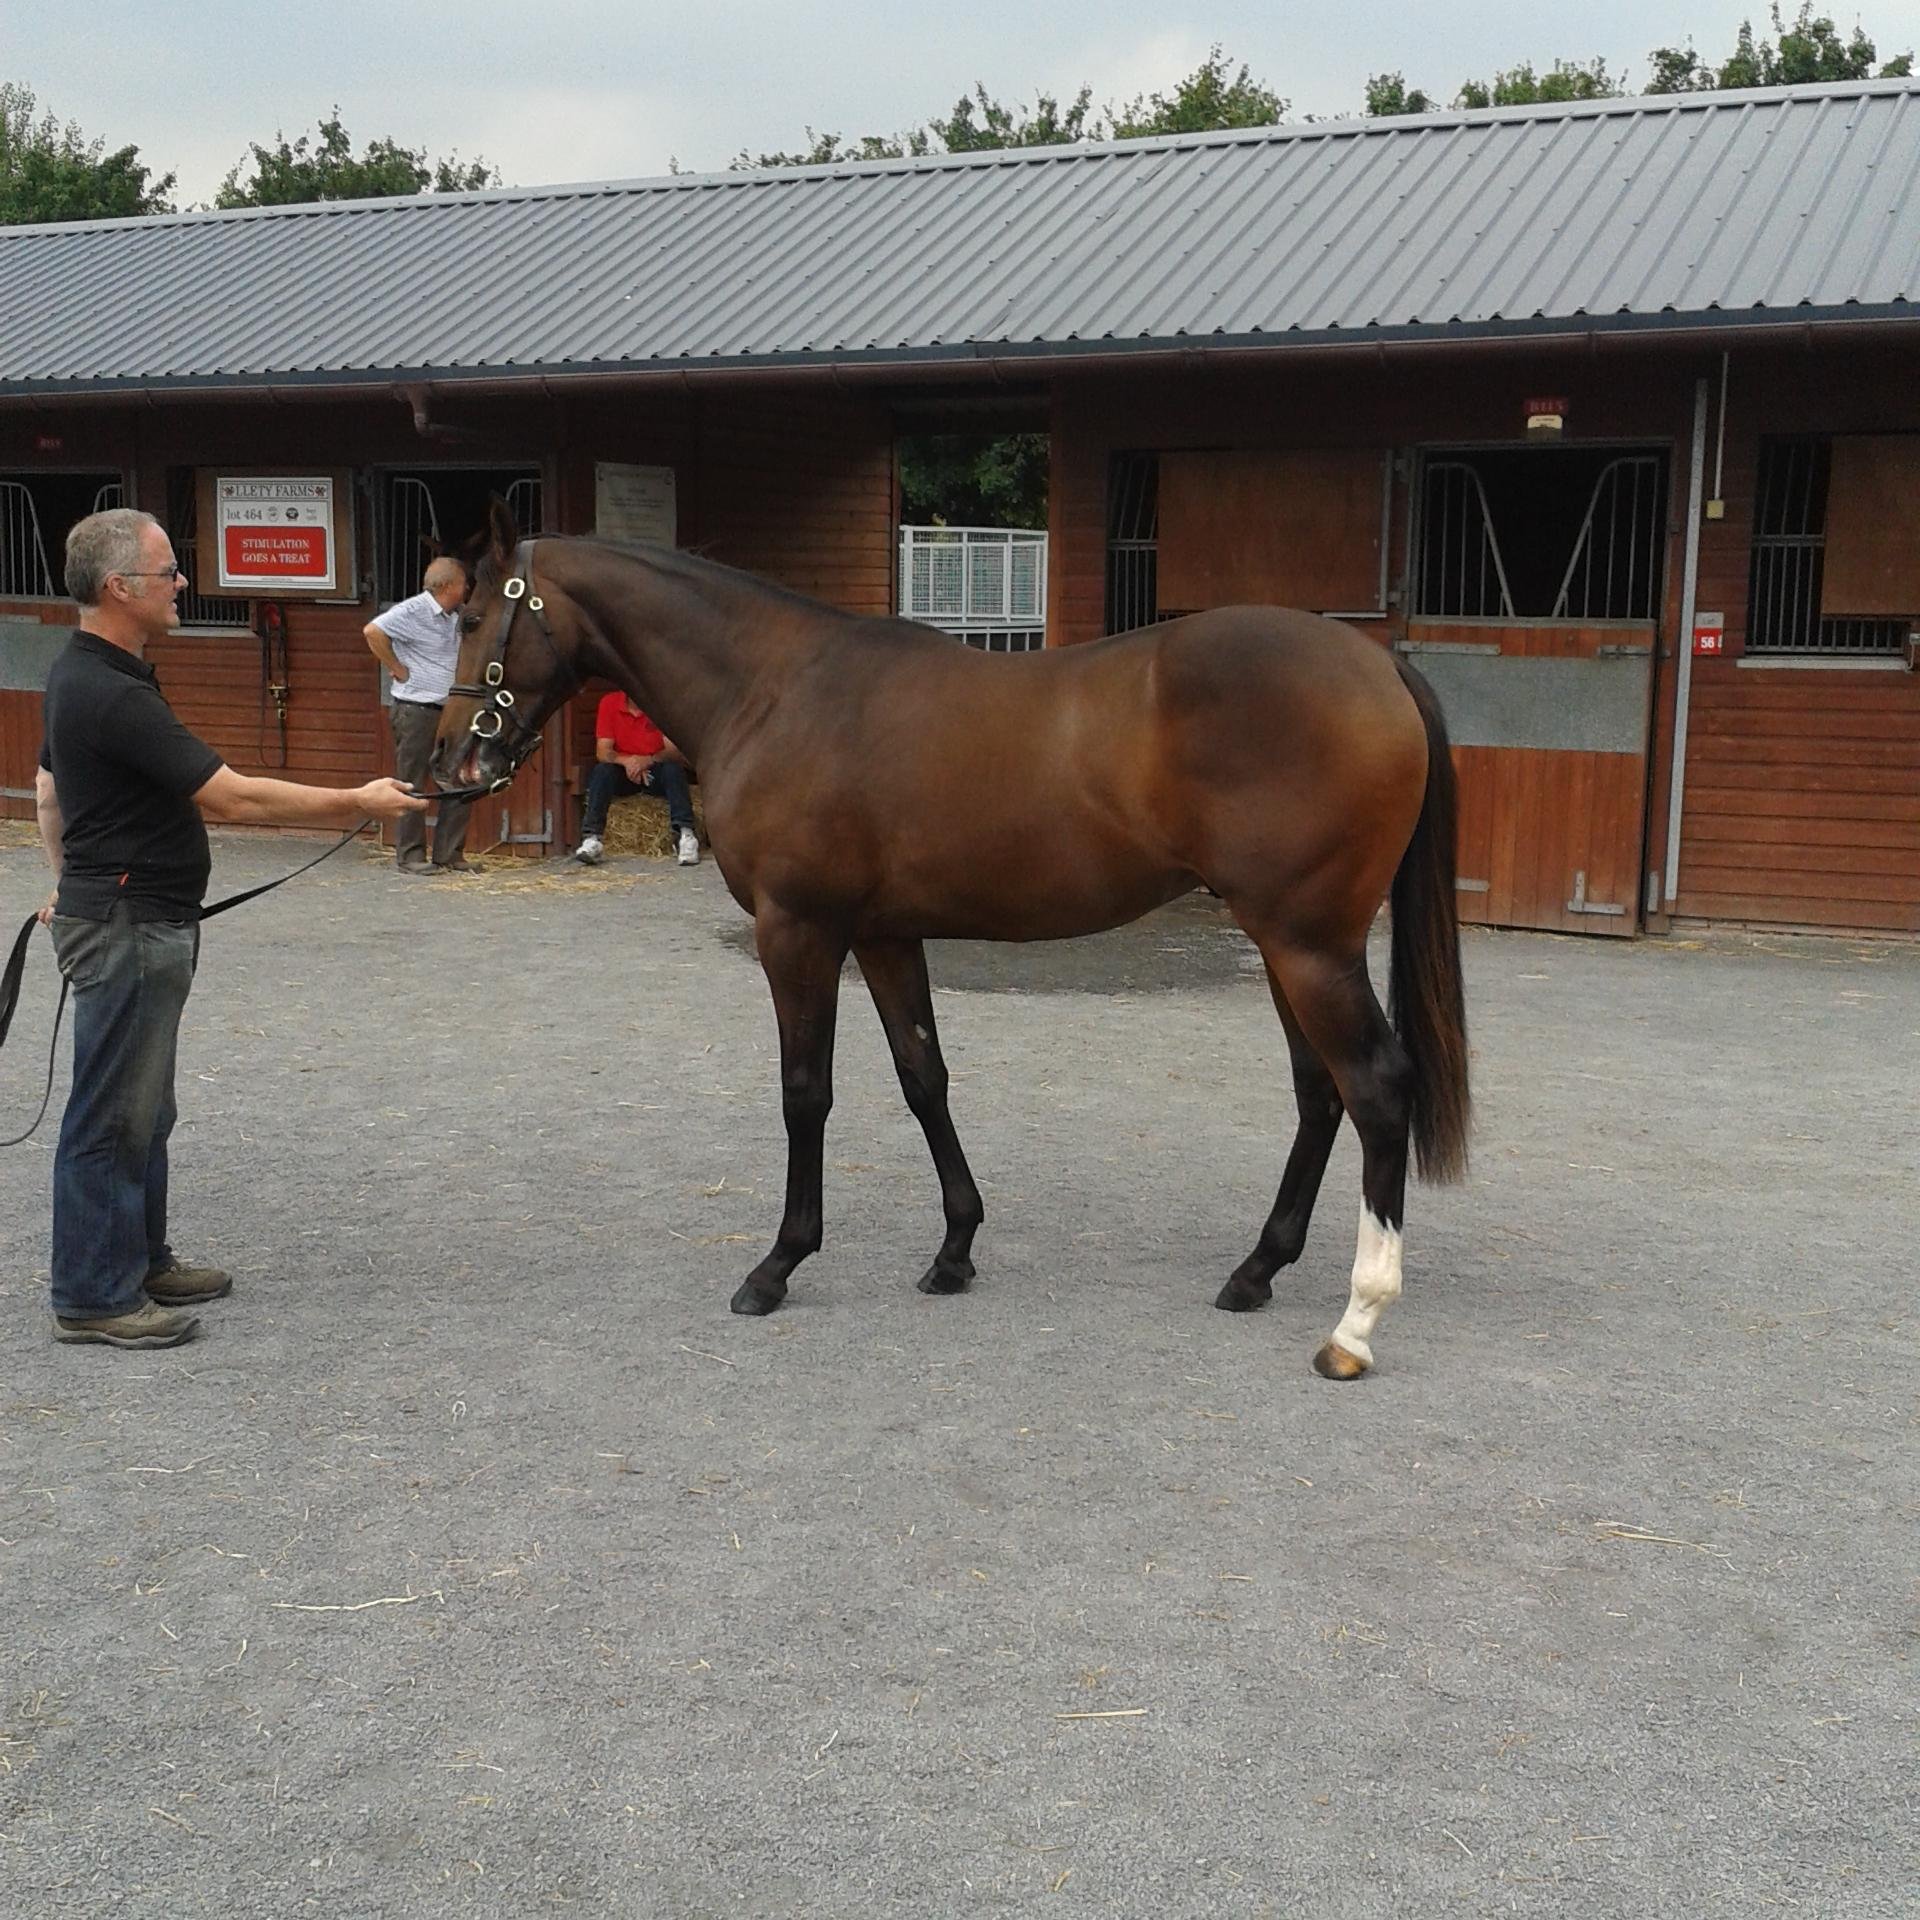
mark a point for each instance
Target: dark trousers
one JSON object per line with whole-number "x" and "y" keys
{"x": 608, "y": 782}
{"x": 414, "y": 725}
{"x": 130, "y": 980}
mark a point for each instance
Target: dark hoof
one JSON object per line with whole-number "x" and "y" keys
{"x": 1236, "y": 1297}
{"x": 757, "y": 1297}
{"x": 1336, "y": 1363}
{"x": 946, "y": 1279}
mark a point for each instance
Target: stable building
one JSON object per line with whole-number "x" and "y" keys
{"x": 1608, "y": 412}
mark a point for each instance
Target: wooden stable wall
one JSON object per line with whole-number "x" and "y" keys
{"x": 800, "y": 491}
{"x": 1802, "y": 778}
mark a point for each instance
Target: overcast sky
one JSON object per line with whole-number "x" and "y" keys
{"x": 567, "y": 90}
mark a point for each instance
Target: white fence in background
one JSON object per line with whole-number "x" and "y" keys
{"x": 984, "y": 585}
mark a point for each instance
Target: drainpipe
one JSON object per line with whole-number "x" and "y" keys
{"x": 1689, "y": 585}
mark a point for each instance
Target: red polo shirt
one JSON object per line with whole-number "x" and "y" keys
{"x": 630, "y": 732}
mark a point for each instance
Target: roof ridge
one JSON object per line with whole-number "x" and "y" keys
{"x": 1384, "y": 126}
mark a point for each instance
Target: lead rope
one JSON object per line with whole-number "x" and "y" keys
{"x": 17, "y": 966}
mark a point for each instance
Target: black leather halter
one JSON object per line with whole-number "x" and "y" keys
{"x": 498, "y": 718}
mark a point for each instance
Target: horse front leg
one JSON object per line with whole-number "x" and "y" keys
{"x": 802, "y": 962}
{"x": 896, "y": 976}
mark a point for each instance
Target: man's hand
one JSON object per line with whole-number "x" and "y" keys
{"x": 45, "y": 915}
{"x": 398, "y": 675}
{"x": 387, "y": 799}
{"x": 635, "y": 765}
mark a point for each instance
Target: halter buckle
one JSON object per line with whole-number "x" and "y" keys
{"x": 495, "y": 673}
{"x": 535, "y": 604}
{"x": 488, "y": 732}
{"x": 515, "y": 588}
{"x": 503, "y": 697}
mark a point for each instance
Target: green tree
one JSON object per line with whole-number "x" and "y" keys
{"x": 830, "y": 149}
{"x": 970, "y": 480}
{"x": 327, "y": 168}
{"x": 1206, "y": 101}
{"x": 53, "y": 172}
{"x": 1042, "y": 126}
{"x": 1521, "y": 87}
{"x": 1388, "y": 93}
{"x": 1807, "y": 49}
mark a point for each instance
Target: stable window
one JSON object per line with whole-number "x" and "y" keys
{"x": 37, "y": 512}
{"x": 1573, "y": 535}
{"x": 211, "y": 612}
{"x": 423, "y": 512}
{"x": 1836, "y": 546}
{"x": 1133, "y": 549}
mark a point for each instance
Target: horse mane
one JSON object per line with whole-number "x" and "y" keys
{"x": 690, "y": 568}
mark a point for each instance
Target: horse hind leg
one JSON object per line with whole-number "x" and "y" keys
{"x": 802, "y": 964}
{"x": 1340, "y": 1018}
{"x": 896, "y": 976}
{"x": 1285, "y": 1233}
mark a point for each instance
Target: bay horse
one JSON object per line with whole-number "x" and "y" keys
{"x": 871, "y": 784}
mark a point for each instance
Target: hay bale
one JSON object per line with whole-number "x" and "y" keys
{"x": 638, "y": 827}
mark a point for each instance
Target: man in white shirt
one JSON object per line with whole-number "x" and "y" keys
{"x": 418, "y": 642}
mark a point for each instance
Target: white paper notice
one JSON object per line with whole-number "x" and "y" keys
{"x": 634, "y": 503}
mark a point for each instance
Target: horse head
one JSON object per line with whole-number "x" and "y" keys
{"x": 519, "y": 644}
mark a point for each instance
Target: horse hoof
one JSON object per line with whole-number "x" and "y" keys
{"x": 1233, "y": 1298}
{"x": 756, "y": 1300}
{"x": 1336, "y": 1363}
{"x": 939, "y": 1279}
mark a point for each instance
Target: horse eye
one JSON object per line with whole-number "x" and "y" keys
{"x": 468, "y": 621}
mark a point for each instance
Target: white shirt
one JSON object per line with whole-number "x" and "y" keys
{"x": 426, "y": 641}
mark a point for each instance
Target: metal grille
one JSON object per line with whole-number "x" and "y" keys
{"x": 524, "y": 502}
{"x": 197, "y": 609}
{"x": 411, "y": 537}
{"x": 24, "y": 573}
{"x": 1615, "y": 570}
{"x": 984, "y": 585}
{"x": 1464, "y": 577}
{"x": 1789, "y": 560}
{"x": 1133, "y": 536}
{"x": 111, "y": 495}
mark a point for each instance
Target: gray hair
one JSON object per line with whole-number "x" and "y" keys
{"x": 101, "y": 544}
{"x": 442, "y": 572}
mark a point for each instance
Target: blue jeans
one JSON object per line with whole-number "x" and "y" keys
{"x": 608, "y": 782}
{"x": 130, "y": 980}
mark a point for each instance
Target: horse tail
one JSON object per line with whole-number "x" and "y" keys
{"x": 1425, "y": 1000}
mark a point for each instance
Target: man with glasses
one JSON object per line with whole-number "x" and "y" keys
{"x": 123, "y": 794}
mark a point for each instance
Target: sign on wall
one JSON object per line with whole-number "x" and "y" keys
{"x": 635, "y": 503}
{"x": 275, "y": 535}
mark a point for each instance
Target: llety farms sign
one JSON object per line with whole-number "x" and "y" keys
{"x": 275, "y": 533}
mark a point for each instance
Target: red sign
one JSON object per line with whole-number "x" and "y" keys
{"x": 1547, "y": 406}
{"x": 47, "y": 443}
{"x": 1709, "y": 633}
{"x": 293, "y": 555}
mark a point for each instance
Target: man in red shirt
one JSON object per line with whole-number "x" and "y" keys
{"x": 632, "y": 755}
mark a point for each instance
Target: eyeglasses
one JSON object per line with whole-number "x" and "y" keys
{"x": 150, "y": 573}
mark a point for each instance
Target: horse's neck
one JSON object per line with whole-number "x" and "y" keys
{"x": 678, "y": 654}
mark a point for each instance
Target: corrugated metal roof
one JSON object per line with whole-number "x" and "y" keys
{"x": 1796, "y": 203}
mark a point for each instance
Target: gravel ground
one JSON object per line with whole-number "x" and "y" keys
{"x": 478, "y": 1561}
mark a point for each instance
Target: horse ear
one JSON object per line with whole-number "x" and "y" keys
{"x": 503, "y": 534}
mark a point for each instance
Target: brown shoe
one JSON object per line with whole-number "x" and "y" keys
{"x": 415, "y": 867}
{"x": 178, "y": 1285}
{"x": 145, "y": 1326}
{"x": 460, "y": 865}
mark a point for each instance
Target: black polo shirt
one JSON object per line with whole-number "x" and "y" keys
{"x": 123, "y": 769}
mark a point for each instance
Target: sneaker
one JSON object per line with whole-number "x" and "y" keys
{"x": 589, "y": 851}
{"x": 689, "y": 847}
{"x": 178, "y": 1285}
{"x": 145, "y": 1326}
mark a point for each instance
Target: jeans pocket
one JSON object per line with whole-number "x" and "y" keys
{"x": 80, "y": 947}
